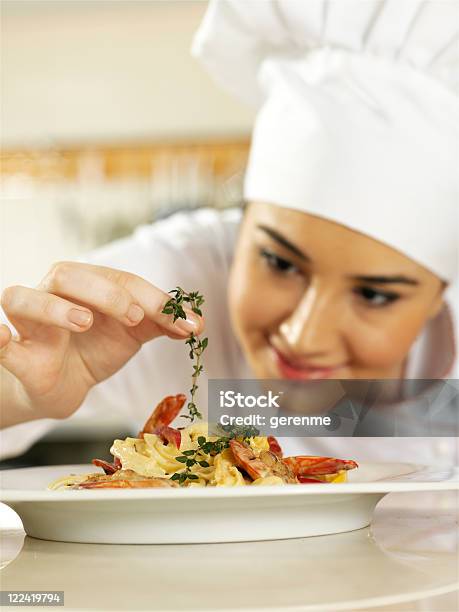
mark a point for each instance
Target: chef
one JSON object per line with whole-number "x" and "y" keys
{"x": 342, "y": 264}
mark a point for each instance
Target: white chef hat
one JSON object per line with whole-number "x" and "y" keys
{"x": 358, "y": 112}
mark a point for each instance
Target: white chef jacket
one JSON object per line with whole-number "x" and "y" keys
{"x": 194, "y": 250}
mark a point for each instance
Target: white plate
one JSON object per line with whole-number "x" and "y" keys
{"x": 200, "y": 515}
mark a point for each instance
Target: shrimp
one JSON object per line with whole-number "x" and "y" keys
{"x": 124, "y": 479}
{"x": 301, "y": 469}
{"x": 304, "y": 466}
{"x": 274, "y": 446}
{"x": 278, "y": 467}
{"x": 109, "y": 468}
{"x": 164, "y": 413}
{"x": 266, "y": 464}
{"x": 245, "y": 458}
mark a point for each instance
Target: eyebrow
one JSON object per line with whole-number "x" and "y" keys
{"x": 284, "y": 242}
{"x": 386, "y": 280}
{"x": 377, "y": 280}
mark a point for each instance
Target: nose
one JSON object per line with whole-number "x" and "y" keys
{"x": 314, "y": 329}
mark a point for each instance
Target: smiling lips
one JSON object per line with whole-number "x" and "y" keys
{"x": 294, "y": 371}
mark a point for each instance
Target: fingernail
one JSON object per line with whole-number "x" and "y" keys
{"x": 79, "y": 317}
{"x": 135, "y": 314}
{"x": 190, "y": 324}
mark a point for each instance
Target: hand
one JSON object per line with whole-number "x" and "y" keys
{"x": 78, "y": 327}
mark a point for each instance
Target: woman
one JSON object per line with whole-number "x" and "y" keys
{"x": 342, "y": 266}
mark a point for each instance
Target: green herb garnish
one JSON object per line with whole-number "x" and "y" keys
{"x": 243, "y": 432}
{"x": 174, "y": 306}
{"x": 206, "y": 448}
{"x": 198, "y": 456}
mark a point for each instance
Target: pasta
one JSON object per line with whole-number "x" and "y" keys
{"x": 150, "y": 459}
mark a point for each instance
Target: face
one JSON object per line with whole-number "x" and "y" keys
{"x": 310, "y": 298}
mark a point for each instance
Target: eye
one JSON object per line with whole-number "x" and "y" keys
{"x": 278, "y": 264}
{"x": 375, "y": 298}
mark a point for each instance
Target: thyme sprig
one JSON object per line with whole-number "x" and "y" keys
{"x": 242, "y": 432}
{"x": 205, "y": 449}
{"x": 174, "y": 306}
{"x": 198, "y": 456}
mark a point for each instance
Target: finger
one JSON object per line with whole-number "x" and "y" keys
{"x": 84, "y": 284}
{"x": 26, "y": 308}
{"x": 12, "y": 354}
{"x": 5, "y": 336}
{"x": 153, "y": 301}
{"x": 148, "y": 330}
{"x": 120, "y": 294}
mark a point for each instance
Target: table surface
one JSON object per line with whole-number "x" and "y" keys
{"x": 406, "y": 560}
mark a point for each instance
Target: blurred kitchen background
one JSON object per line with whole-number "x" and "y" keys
{"x": 107, "y": 122}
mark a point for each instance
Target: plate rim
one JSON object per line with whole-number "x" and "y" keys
{"x": 382, "y": 486}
